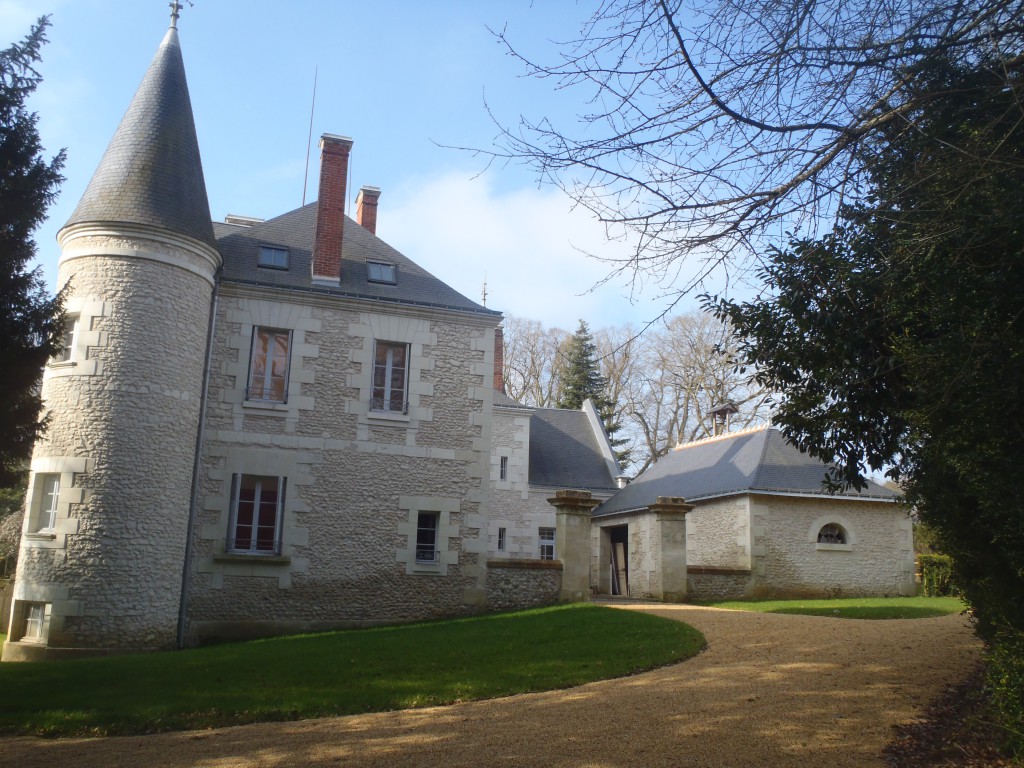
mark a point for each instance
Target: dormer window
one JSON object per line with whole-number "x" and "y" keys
{"x": 381, "y": 272}
{"x": 273, "y": 257}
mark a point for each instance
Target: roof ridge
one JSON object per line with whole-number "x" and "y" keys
{"x": 726, "y": 436}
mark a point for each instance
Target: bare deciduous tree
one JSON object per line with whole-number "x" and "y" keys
{"x": 663, "y": 383}
{"x": 684, "y": 370}
{"x": 532, "y": 361}
{"x": 714, "y": 124}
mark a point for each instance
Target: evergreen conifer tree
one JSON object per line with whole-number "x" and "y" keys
{"x": 581, "y": 379}
{"x": 31, "y": 321}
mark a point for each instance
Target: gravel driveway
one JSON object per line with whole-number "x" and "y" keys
{"x": 770, "y": 690}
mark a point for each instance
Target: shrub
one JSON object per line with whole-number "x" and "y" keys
{"x": 1005, "y": 679}
{"x": 936, "y": 575}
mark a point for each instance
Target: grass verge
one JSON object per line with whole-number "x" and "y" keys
{"x": 339, "y": 673}
{"x": 852, "y": 607}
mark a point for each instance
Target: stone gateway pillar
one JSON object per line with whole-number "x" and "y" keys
{"x": 572, "y": 542}
{"x": 670, "y": 534}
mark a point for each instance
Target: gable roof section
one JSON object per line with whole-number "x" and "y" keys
{"x": 151, "y": 173}
{"x": 754, "y": 461}
{"x": 296, "y": 230}
{"x": 565, "y": 452}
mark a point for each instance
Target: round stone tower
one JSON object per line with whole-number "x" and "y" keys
{"x": 104, "y": 540}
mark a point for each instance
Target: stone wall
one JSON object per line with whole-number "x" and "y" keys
{"x": 878, "y": 558}
{"x": 718, "y": 583}
{"x": 718, "y": 534}
{"x": 514, "y": 585}
{"x": 356, "y": 478}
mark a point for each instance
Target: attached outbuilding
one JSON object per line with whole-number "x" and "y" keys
{"x": 747, "y": 515}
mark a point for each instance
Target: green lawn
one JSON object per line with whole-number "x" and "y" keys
{"x": 339, "y": 673}
{"x": 853, "y": 607}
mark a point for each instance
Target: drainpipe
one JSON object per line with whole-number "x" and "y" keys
{"x": 186, "y": 568}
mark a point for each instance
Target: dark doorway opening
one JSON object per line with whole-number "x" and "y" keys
{"x": 619, "y": 565}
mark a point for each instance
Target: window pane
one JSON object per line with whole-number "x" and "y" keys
{"x": 268, "y": 378}
{"x": 48, "y": 501}
{"x": 273, "y": 257}
{"x": 256, "y": 514}
{"x": 426, "y": 537}
{"x": 389, "y": 376}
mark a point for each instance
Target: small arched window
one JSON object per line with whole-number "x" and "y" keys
{"x": 833, "y": 533}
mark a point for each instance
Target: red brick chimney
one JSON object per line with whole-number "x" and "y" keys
{"x": 499, "y": 360}
{"x": 366, "y": 208}
{"x": 330, "y": 209}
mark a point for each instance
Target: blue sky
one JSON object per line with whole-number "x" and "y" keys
{"x": 400, "y": 78}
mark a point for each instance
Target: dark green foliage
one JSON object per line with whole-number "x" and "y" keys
{"x": 936, "y": 575}
{"x": 1005, "y": 682}
{"x": 581, "y": 379}
{"x": 897, "y": 340}
{"x": 580, "y": 376}
{"x": 31, "y": 321}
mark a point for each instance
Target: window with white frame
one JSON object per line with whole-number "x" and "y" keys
{"x": 257, "y": 502}
{"x": 44, "y": 516}
{"x": 273, "y": 257}
{"x": 426, "y": 538}
{"x": 268, "y": 366}
{"x": 380, "y": 272}
{"x": 503, "y": 468}
{"x": 547, "y": 543}
{"x": 501, "y": 539}
{"x": 390, "y": 377}
{"x": 37, "y": 622}
{"x": 69, "y": 339}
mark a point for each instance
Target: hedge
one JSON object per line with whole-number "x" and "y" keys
{"x": 936, "y": 575}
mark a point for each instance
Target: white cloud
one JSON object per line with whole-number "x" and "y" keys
{"x": 528, "y": 242}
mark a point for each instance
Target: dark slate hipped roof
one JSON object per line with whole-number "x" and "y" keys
{"x": 151, "y": 173}
{"x": 295, "y": 231}
{"x": 565, "y": 453}
{"x": 755, "y": 461}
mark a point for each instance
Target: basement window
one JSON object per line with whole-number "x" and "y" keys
{"x": 381, "y": 272}
{"x": 272, "y": 257}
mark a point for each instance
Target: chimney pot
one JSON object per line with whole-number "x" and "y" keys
{"x": 330, "y": 211}
{"x": 499, "y": 360}
{"x": 366, "y": 208}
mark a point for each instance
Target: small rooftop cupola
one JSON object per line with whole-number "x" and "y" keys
{"x": 723, "y": 414}
{"x": 151, "y": 174}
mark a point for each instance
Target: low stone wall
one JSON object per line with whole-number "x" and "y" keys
{"x": 718, "y": 583}
{"x": 513, "y": 585}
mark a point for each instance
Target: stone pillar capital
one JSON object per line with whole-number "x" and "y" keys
{"x": 670, "y": 507}
{"x": 574, "y": 502}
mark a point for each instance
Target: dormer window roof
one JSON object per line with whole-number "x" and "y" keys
{"x": 273, "y": 257}
{"x": 381, "y": 272}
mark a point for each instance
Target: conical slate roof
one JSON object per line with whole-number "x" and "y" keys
{"x": 151, "y": 173}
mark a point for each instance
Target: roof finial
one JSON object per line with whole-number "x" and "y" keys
{"x": 175, "y": 13}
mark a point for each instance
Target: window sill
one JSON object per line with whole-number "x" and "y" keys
{"x": 833, "y": 547}
{"x": 63, "y": 364}
{"x": 266, "y": 405}
{"x": 251, "y": 558}
{"x": 41, "y": 536}
{"x": 388, "y": 416}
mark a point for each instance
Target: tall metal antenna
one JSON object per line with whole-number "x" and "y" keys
{"x": 483, "y": 294}
{"x": 309, "y": 141}
{"x": 175, "y": 13}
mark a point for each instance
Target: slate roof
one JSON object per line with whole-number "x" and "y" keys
{"x": 296, "y": 230}
{"x": 758, "y": 460}
{"x": 151, "y": 173}
{"x": 565, "y": 453}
